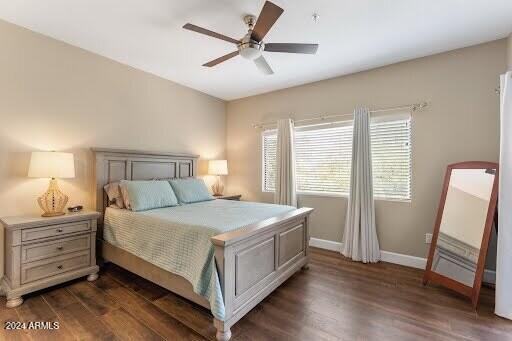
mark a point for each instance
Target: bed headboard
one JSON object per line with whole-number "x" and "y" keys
{"x": 118, "y": 164}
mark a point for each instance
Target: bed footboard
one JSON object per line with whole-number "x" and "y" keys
{"x": 253, "y": 261}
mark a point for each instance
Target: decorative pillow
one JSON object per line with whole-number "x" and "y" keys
{"x": 124, "y": 194}
{"x": 115, "y": 197}
{"x": 146, "y": 195}
{"x": 190, "y": 190}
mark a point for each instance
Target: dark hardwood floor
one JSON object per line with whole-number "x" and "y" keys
{"x": 335, "y": 299}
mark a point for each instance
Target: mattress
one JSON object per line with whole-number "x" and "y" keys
{"x": 177, "y": 239}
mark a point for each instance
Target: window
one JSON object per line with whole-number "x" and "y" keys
{"x": 391, "y": 159}
{"x": 269, "y": 160}
{"x": 323, "y": 158}
{"x": 324, "y": 152}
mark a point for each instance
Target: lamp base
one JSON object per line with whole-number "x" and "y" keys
{"x": 53, "y": 201}
{"x": 217, "y": 188}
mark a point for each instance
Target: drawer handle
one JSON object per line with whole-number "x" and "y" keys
{"x": 59, "y": 267}
{"x": 59, "y": 248}
{"x": 59, "y": 230}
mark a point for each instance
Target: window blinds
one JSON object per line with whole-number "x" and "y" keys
{"x": 323, "y": 157}
{"x": 324, "y": 153}
{"x": 269, "y": 160}
{"x": 391, "y": 159}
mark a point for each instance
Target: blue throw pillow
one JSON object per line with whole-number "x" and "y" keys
{"x": 190, "y": 190}
{"x": 146, "y": 195}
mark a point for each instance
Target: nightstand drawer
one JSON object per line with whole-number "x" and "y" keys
{"x": 37, "y": 251}
{"x": 53, "y": 266}
{"x": 54, "y": 230}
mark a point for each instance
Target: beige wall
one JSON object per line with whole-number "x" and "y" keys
{"x": 460, "y": 124}
{"x": 57, "y": 97}
{"x": 509, "y": 56}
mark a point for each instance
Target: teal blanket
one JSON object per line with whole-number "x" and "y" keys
{"x": 177, "y": 239}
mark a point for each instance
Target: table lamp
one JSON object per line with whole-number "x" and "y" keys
{"x": 52, "y": 165}
{"x": 218, "y": 168}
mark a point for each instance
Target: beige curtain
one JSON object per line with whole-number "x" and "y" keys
{"x": 286, "y": 193}
{"x": 360, "y": 238}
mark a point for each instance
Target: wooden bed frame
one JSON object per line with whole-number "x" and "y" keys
{"x": 251, "y": 262}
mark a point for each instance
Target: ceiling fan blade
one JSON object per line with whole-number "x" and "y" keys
{"x": 291, "y": 48}
{"x": 201, "y": 30}
{"x": 221, "y": 59}
{"x": 268, "y": 16}
{"x": 262, "y": 64}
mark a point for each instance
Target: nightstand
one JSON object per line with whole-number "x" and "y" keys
{"x": 229, "y": 197}
{"x": 41, "y": 252}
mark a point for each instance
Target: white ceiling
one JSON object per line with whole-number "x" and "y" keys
{"x": 353, "y": 35}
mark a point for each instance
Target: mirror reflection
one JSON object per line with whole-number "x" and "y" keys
{"x": 463, "y": 223}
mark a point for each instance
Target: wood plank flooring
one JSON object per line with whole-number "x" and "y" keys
{"x": 335, "y": 299}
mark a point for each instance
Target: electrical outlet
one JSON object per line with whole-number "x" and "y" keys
{"x": 428, "y": 238}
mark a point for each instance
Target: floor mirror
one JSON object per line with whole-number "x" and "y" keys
{"x": 463, "y": 227}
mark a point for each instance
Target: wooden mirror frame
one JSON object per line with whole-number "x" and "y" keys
{"x": 433, "y": 277}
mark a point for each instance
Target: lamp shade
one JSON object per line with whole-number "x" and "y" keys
{"x": 218, "y": 167}
{"x": 51, "y": 165}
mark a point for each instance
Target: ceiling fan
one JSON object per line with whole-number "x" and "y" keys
{"x": 251, "y": 46}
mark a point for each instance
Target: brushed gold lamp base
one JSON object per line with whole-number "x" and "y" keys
{"x": 53, "y": 201}
{"x": 217, "y": 188}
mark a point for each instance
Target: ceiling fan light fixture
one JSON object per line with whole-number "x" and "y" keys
{"x": 250, "y": 50}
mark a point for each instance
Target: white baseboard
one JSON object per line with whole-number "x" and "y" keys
{"x": 325, "y": 244}
{"x": 401, "y": 259}
{"x": 393, "y": 257}
{"x": 385, "y": 256}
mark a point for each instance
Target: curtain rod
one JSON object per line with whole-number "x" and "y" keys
{"x": 412, "y": 107}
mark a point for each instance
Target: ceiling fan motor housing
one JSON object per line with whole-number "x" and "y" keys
{"x": 249, "y": 48}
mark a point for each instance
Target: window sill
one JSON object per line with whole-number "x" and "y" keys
{"x": 316, "y": 194}
{"x": 323, "y": 194}
{"x": 338, "y": 195}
